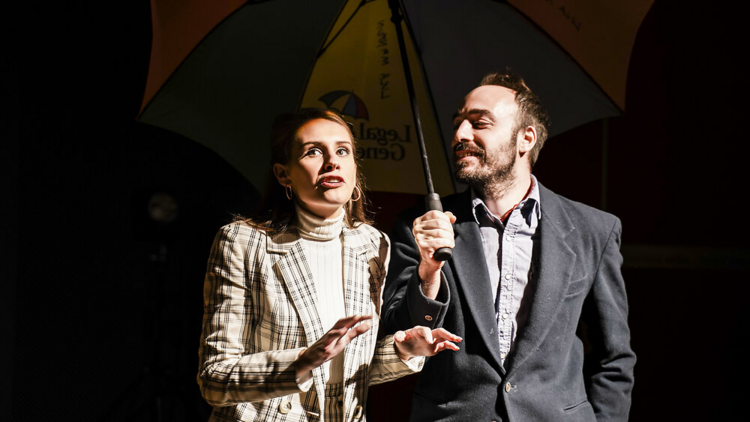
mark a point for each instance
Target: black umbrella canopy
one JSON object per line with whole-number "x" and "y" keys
{"x": 265, "y": 59}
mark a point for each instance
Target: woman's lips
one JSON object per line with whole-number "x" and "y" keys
{"x": 331, "y": 182}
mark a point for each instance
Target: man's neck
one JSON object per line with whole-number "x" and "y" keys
{"x": 504, "y": 196}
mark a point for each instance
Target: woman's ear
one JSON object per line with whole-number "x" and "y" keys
{"x": 282, "y": 175}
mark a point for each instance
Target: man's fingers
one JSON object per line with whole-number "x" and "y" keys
{"x": 434, "y": 228}
{"x": 434, "y": 220}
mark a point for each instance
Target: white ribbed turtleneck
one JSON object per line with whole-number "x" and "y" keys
{"x": 323, "y": 248}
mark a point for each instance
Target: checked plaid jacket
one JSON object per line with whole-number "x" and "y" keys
{"x": 261, "y": 310}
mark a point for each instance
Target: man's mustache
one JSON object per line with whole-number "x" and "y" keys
{"x": 470, "y": 148}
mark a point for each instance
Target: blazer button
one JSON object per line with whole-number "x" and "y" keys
{"x": 428, "y": 318}
{"x": 507, "y": 387}
{"x": 358, "y": 412}
{"x": 285, "y": 407}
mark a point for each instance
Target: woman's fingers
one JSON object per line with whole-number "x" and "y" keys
{"x": 441, "y": 334}
{"x": 350, "y": 321}
{"x": 439, "y": 347}
{"x": 421, "y": 341}
{"x": 334, "y": 341}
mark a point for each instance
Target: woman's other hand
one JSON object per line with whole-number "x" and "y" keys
{"x": 422, "y": 341}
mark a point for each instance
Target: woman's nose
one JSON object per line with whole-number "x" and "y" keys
{"x": 332, "y": 165}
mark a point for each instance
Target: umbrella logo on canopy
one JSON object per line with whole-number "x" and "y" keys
{"x": 353, "y": 105}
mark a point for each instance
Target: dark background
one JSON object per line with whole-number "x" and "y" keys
{"x": 101, "y": 306}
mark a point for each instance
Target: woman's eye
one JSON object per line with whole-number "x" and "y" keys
{"x": 342, "y": 151}
{"x": 313, "y": 151}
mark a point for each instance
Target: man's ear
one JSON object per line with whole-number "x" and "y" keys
{"x": 526, "y": 140}
{"x": 282, "y": 175}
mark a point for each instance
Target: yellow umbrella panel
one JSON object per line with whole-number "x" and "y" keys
{"x": 359, "y": 73}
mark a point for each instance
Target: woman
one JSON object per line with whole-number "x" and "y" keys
{"x": 292, "y": 295}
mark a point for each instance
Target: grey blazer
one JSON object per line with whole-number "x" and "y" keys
{"x": 571, "y": 362}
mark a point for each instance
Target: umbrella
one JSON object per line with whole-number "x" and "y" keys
{"x": 221, "y": 70}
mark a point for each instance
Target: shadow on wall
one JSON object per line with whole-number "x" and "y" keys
{"x": 121, "y": 304}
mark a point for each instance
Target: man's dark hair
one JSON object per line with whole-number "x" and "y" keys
{"x": 531, "y": 112}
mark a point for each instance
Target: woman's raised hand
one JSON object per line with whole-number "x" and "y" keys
{"x": 333, "y": 342}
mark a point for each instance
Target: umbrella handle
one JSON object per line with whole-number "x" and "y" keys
{"x": 432, "y": 202}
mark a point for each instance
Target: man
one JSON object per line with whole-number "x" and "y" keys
{"x": 534, "y": 286}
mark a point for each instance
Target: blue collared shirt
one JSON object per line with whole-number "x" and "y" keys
{"x": 508, "y": 249}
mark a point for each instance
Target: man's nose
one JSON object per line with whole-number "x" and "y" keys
{"x": 463, "y": 132}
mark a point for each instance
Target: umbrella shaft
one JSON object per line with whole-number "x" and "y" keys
{"x": 396, "y": 18}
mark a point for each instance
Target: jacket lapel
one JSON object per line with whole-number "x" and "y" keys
{"x": 358, "y": 252}
{"x": 295, "y": 275}
{"x": 555, "y": 268}
{"x": 472, "y": 278}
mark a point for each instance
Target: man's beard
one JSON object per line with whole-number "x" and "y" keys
{"x": 493, "y": 170}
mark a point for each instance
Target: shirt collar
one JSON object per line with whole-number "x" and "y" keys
{"x": 530, "y": 207}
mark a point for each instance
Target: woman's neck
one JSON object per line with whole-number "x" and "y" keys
{"x": 313, "y": 227}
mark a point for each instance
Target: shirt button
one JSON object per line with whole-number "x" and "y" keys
{"x": 508, "y": 276}
{"x": 507, "y": 387}
{"x": 428, "y": 317}
{"x": 505, "y": 316}
{"x": 357, "y": 412}
{"x": 503, "y": 355}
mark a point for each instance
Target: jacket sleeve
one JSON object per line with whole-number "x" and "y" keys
{"x": 608, "y": 366}
{"x": 405, "y": 306}
{"x": 387, "y": 366}
{"x": 231, "y": 371}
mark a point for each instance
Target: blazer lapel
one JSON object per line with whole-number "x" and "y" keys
{"x": 555, "y": 268}
{"x": 295, "y": 274}
{"x": 472, "y": 277}
{"x": 357, "y": 252}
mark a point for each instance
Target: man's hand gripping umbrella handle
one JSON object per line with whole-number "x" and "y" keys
{"x": 432, "y": 202}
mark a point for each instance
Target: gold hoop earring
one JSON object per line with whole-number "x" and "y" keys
{"x": 288, "y": 192}
{"x": 356, "y": 188}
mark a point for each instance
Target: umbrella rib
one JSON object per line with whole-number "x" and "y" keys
{"x": 325, "y": 47}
